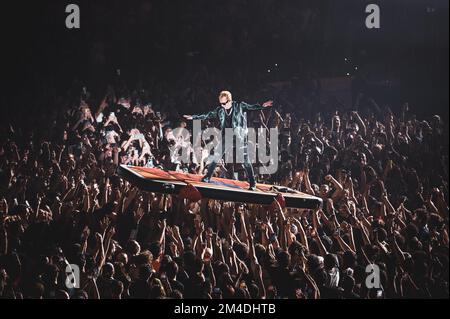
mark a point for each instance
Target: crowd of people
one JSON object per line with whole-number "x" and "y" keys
{"x": 382, "y": 176}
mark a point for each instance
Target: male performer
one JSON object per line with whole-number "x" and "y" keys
{"x": 232, "y": 115}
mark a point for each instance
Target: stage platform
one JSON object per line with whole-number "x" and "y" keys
{"x": 169, "y": 182}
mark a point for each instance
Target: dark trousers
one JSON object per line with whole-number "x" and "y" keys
{"x": 247, "y": 165}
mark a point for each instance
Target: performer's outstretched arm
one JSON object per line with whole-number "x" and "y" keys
{"x": 203, "y": 116}
{"x": 255, "y": 107}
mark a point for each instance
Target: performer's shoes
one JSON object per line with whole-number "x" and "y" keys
{"x": 252, "y": 188}
{"x": 205, "y": 179}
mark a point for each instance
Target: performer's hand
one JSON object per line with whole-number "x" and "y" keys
{"x": 267, "y": 104}
{"x": 188, "y": 117}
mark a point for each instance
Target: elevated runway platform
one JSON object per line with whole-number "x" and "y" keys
{"x": 169, "y": 182}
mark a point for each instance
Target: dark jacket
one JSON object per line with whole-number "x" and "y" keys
{"x": 239, "y": 120}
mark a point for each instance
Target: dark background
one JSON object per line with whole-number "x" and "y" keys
{"x": 41, "y": 58}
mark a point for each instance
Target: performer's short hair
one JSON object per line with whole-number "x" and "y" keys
{"x": 226, "y": 94}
